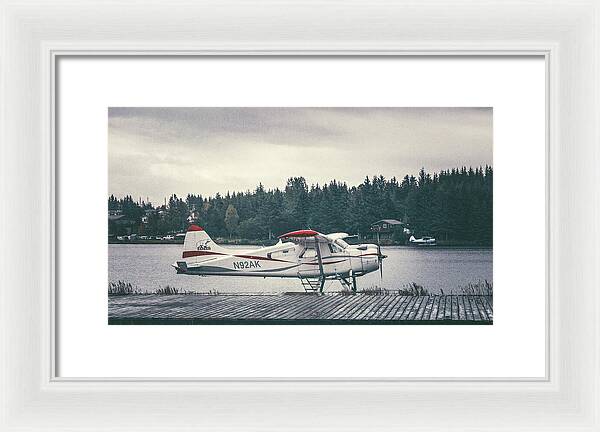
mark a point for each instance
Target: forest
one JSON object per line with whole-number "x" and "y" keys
{"x": 455, "y": 206}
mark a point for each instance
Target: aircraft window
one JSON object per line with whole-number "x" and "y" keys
{"x": 334, "y": 248}
{"x": 309, "y": 252}
{"x": 341, "y": 243}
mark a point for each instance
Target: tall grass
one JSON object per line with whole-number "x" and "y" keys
{"x": 168, "y": 290}
{"x": 126, "y": 288}
{"x": 478, "y": 288}
{"x": 413, "y": 289}
{"x": 122, "y": 288}
{"x": 481, "y": 287}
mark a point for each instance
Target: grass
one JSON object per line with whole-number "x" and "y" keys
{"x": 413, "y": 289}
{"x": 122, "y": 288}
{"x": 168, "y": 290}
{"x": 478, "y": 288}
{"x": 481, "y": 287}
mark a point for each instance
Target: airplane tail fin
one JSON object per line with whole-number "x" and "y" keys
{"x": 198, "y": 243}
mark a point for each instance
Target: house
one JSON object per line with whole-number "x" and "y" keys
{"x": 384, "y": 229}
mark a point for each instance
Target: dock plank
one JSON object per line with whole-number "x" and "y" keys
{"x": 481, "y": 307}
{"x": 426, "y": 309}
{"x": 399, "y": 307}
{"x": 416, "y": 307}
{"x": 309, "y": 308}
{"x": 474, "y": 308}
{"x": 383, "y": 312}
{"x": 348, "y": 305}
{"x": 361, "y": 306}
{"x": 373, "y": 307}
{"x": 454, "y": 312}
{"x": 441, "y": 308}
{"x": 434, "y": 308}
{"x": 488, "y": 307}
{"x": 408, "y": 309}
{"x": 461, "y": 308}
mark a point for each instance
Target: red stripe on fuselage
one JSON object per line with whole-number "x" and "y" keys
{"x": 189, "y": 254}
{"x": 325, "y": 263}
{"x": 260, "y": 258}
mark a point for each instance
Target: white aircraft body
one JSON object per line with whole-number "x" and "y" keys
{"x": 305, "y": 254}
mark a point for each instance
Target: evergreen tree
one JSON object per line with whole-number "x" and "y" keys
{"x": 453, "y": 205}
{"x": 231, "y": 219}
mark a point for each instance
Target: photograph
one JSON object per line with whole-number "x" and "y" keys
{"x": 300, "y": 215}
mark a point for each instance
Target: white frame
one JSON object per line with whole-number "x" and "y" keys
{"x": 33, "y": 34}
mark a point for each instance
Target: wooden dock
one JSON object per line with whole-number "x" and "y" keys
{"x": 299, "y": 309}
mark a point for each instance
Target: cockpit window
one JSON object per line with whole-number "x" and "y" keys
{"x": 334, "y": 248}
{"x": 341, "y": 243}
{"x": 309, "y": 252}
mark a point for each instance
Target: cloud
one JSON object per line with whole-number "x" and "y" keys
{"x": 158, "y": 151}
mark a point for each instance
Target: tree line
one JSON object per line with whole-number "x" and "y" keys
{"x": 454, "y": 205}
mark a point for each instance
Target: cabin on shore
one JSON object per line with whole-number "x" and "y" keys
{"x": 384, "y": 230}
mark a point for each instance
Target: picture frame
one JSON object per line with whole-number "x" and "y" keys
{"x": 35, "y": 35}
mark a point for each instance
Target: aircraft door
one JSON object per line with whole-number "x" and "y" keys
{"x": 340, "y": 260}
{"x": 308, "y": 260}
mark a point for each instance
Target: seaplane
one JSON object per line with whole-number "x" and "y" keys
{"x": 423, "y": 241}
{"x": 305, "y": 254}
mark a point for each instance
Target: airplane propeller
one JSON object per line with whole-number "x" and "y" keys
{"x": 380, "y": 257}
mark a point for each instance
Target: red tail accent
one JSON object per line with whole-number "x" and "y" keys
{"x": 195, "y": 228}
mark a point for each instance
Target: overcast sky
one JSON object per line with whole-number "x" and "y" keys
{"x": 154, "y": 152}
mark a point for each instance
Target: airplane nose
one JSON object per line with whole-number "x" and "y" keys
{"x": 380, "y": 258}
{"x": 377, "y": 251}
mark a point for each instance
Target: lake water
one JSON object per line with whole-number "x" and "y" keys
{"x": 149, "y": 267}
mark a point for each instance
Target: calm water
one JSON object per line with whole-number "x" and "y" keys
{"x": 149, "y": 267}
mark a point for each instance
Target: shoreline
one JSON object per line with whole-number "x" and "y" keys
{"x": 267, "y": 243}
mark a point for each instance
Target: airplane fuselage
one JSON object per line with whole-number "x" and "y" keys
{"x": 282, "y": 260}
{"x": 307, "y": 254}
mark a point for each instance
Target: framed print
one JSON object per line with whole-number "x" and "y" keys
{"x": 472, "y": 128}
{"x": 244, "y": 217}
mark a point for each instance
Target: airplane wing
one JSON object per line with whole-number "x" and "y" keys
{"x": 301, "y": 235}
{"x": 336, "y": 236}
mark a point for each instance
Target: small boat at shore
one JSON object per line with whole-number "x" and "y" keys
{"x": 423, "y": 241}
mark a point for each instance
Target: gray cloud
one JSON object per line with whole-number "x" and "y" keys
{"x": 158, "y": 151}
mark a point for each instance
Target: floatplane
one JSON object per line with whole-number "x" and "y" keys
{"x": 423, "y": 241}
{"x": 305, "y": 254}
